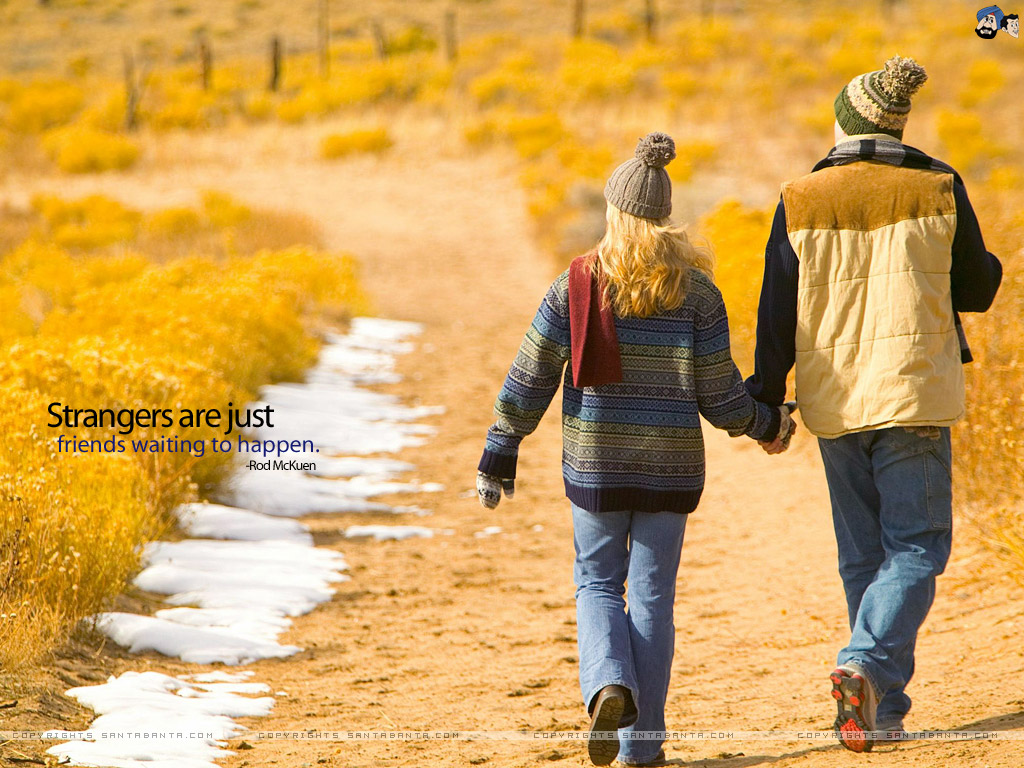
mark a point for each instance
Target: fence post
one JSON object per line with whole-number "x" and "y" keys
{"x": 579, "y": 12}
{"x": 131, "y": 91}
{"x": 380, "y": 41}
{"x": 275, "y": 63}
{"x": 323, "y": 36}
{"x": 134, "y": 86}
{"x": 451, "y": 41}
{"x": 651, "y": 21}
{"x": 205, "y": 62}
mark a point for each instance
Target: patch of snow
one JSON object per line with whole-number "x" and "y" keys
{"x": 388, "y": 532}
{"x": 290, "y": 494}
{"x": 216, "y": 521}
{"x": 155, "y": 705}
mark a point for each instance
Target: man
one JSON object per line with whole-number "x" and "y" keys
{"x": 989, "y": 21}
{"x": 1011, "y": 25}
{"x": 870, "y": 258}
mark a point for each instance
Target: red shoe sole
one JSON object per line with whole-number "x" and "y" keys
{"x": 848, "y": 691}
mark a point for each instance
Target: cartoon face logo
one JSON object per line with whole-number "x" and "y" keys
{"x": 1011, "y": 25}
{"x": 989, "y": 20}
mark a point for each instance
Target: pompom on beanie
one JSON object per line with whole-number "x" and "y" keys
{"x": 879, "y": 102}
{"x": 641, "y": 186}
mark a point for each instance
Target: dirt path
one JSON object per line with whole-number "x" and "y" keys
{"x": 467, "y": 632}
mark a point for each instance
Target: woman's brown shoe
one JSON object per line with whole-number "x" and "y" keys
{"x": 610, "y": 702}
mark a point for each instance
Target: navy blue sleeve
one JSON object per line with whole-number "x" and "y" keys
{"x": 776, "y": 316}
{"x": 975, "y": 274}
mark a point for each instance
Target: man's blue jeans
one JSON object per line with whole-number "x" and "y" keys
{"x": 632, "y": 649}
{"x": 891, "y": 495}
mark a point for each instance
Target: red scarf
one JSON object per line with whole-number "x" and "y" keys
{"x": 595, "y": 345}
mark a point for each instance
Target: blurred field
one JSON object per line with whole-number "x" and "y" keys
{"x": 735, "y": 83}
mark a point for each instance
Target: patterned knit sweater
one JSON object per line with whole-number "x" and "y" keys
{"x": 636, "y": 444}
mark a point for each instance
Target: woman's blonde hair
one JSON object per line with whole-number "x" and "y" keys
{"x": 646, "y": 264}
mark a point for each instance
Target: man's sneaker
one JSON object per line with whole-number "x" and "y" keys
{"x": 657, "y": 760}
{"x": 611, "y": 700}
{"x": 894, "y": 732}
{"x": 856, "y": 702}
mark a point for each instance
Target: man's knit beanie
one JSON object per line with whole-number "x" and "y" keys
{"x": 640, "y": 186}
{"x": 879, "y": 102}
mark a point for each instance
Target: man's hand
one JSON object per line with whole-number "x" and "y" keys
{"x": 489, "y": 488}
{"x": 787, "y": 428}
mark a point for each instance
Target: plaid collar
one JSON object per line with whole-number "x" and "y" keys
{"x": 885, "y": 151}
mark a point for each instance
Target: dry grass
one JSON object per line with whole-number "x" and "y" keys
{"x": 92, "y": 321}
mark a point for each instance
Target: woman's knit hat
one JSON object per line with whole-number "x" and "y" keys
{"x": 879, "y": 102}
{"x": 641, "y": 186}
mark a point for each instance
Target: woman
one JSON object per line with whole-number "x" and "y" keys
{"x": 646, "y": 338}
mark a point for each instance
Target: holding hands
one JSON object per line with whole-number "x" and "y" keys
{"x": 787, "y": 429}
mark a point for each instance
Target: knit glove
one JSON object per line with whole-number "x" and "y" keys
{"x": 788, "y": 425}
{"x": 489, "y": 488}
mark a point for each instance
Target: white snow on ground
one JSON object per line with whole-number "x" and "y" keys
{"x": 154, "y": 704}
{"x": 291, "y": 494}
{"x": 340, "y": 418}
{"x": 215, "y": 521}
{"x": 388, "y": 532}
{"x": 236, "y": 585}
{"x": 197, "y": 645}
{"x": 267, "y": 578}
{"x": 353, "y": 466}
{"x": 490, "y": 530}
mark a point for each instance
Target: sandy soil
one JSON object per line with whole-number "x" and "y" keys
{"x": 465, "y": 632}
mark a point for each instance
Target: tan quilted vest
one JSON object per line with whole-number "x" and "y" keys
{"x": 876, "y": 344}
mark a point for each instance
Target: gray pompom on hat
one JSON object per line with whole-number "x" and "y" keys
{"x": 641, "y": 186}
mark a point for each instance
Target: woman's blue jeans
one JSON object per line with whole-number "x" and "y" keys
{"x": 892, "y": 509}
{"x": 629, "y": 648}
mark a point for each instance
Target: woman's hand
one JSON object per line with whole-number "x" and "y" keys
{"x": 489, "y": 488}
{"x": 787, "y": 428}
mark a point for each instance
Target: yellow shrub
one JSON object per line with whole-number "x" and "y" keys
{"x": 516, "y": 81}
{"x": 16, "y": 319}
{"x": 80, "y": 149}
{"x": 312, "y": 101}
{"x": 850, "y": 60}
{"x": 354, "y": 142}
{"x": 586, "y": 161}
{"x": 117, "y": 331}
{"x": 221, "y": 210}
{"x": 45, "y": 104}
{"x": 259, "y": 106}
{"x": 360, "y": 49}
{"x": 1006, "y": 178}
{"x": 616, "y": 25}
{"x": 108, "y": 114}
{"x": 91, "y": 222}
{"x": 410, "y": 39}
{"x": 966, "y": 145}
{"x": 680, "y": 85}
{"x": 985, "y": 79}
{"x": 595, "y": 70}
{"x": 738, "y": 235}
{"x": 183, "y": 106}
{"x": 174, "y": 222}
